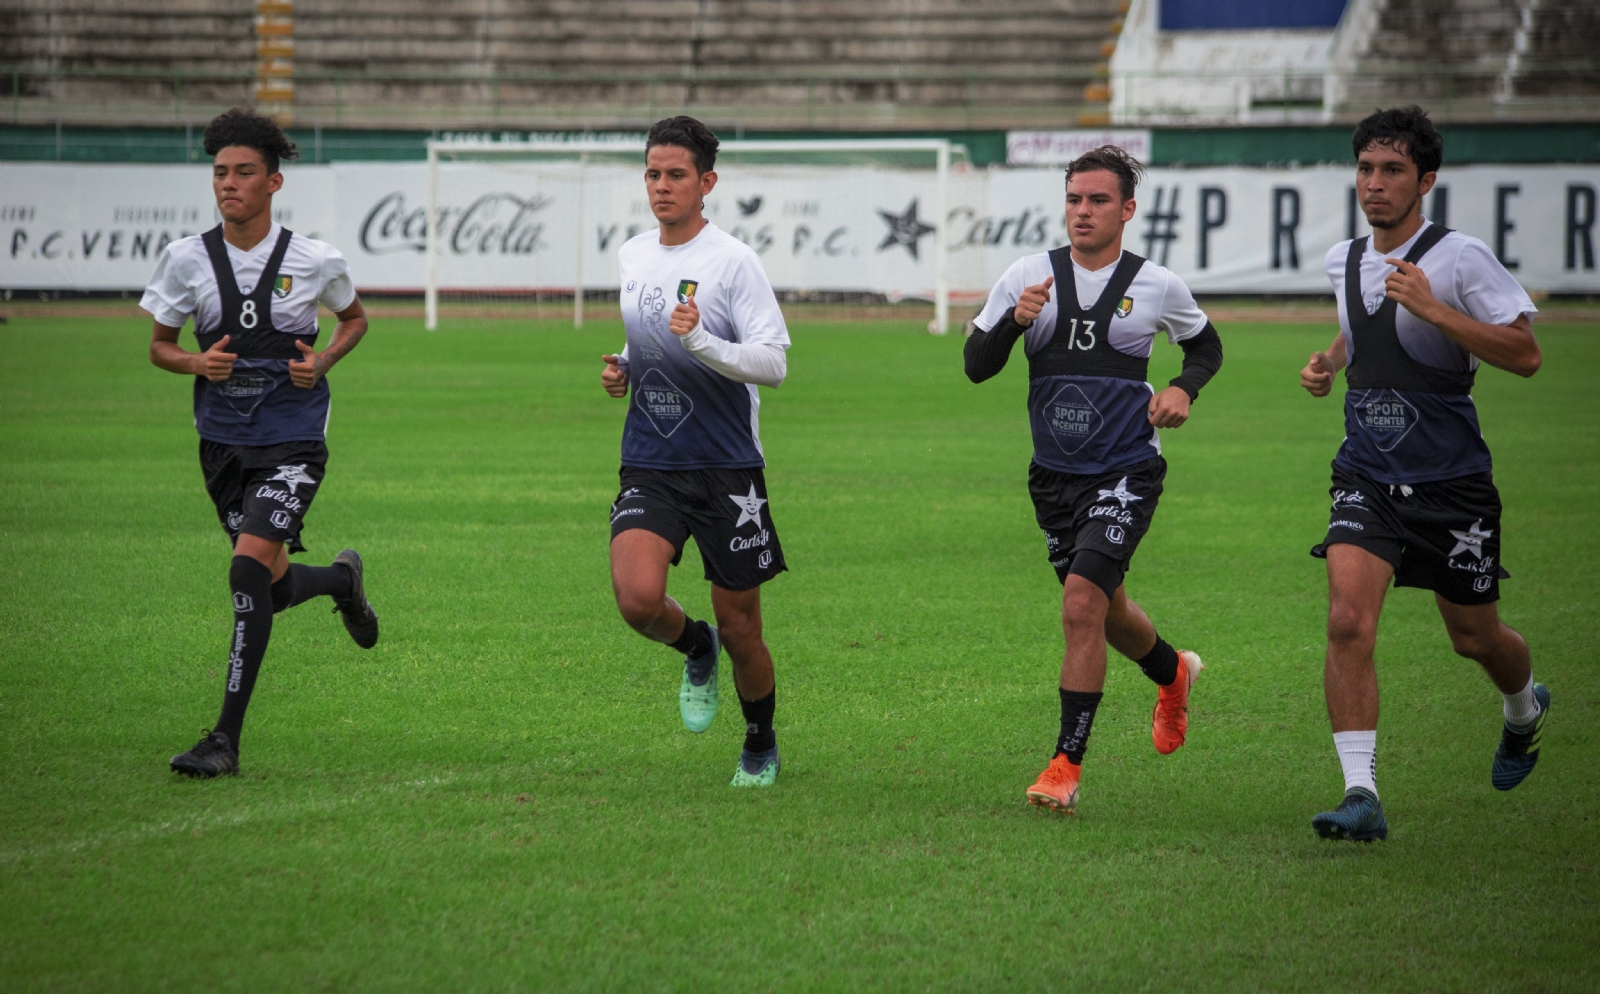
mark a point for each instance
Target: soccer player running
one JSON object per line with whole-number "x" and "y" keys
{"x": 704, "y": 329}
{"x": 1414, "y": 500}
{"x": 260, "y": 401}
{"x": 1088, "y": 316}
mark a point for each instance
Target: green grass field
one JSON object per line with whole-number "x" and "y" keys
{"x": 501, "y": 796}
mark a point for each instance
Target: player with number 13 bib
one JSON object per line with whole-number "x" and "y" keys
{"x": 1088, "y": 316}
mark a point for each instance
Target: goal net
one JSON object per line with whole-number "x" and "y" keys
{"x": 846, "y": 229}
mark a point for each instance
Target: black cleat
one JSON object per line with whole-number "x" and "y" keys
{"x": 1359, "y": 818}
{"x": 1519, "y": 746}
{"x": 360, "y": 620}
{"x": 212, "y": 756}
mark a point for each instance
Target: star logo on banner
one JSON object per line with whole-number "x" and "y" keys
{"x": 749, "y": 507}
{"x": 904, "y": 229}
{"x": 1120, "y": 493}
{"x": 293, "y": 476}
{"x": 1471, "y": 540}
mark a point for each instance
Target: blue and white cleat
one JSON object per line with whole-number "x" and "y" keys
{"x": 697, "y": 697}
{"x": 1359, "y": 818}
{"x": 1519, "y": 746}
{"x": 756, "y": 769}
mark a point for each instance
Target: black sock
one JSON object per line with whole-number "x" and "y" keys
{"x": 302, "y": 583}
{"x": 283, "y": 592}
{"x": 252, "y": 627}
{"x": 758, "y": 733}
{"x": 1077, "y": 715}
{"x": 695, "y": 640}
{"x": 1160, "y": 663}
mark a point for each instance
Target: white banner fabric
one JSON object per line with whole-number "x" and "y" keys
{"x": 515, "y": 225}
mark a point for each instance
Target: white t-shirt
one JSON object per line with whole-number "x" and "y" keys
{"x": 686, "y": 414}
{"x": 1099, "y": 423}
{"x": 1464, "y": 276}
{"x": 185, "y": 286}
{"x": 1161, "y": 303}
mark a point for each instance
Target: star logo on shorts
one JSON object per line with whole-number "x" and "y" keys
{"x": 293, "y": 476}
{"x": 749, "y": 507}
{"x": 1471, "y": 540}
{"x": 1120, "y": 493}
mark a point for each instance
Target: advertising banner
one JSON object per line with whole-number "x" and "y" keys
{"x": 524, "y": 225}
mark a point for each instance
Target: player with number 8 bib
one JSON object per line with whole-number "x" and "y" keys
{"x": 260, "y": 401}
{"x": 1088, "y": 316}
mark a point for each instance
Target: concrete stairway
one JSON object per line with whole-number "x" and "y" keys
{"x": 1482, "y": 59}
{"x": 890, "y": 64}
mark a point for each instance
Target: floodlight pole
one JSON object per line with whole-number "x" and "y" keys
{"x": 577, "y": 288}
{"x": 430, "y": 297}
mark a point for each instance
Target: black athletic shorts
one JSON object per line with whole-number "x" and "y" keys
{"x": 1443, "y": 537}
{"x": 724, "y": 509}
{"x": 1107, "y": 513}
{"x": 263, "y": 490}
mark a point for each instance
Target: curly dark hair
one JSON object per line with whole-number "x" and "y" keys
{"x": 244, "y": 127}
{"x": 1406, "y": 130}
{"x": 1113, "y": 160}
{"x": 685, "y": 132}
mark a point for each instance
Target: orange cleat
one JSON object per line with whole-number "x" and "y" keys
{"x": 1170, "y": 722}
{"x": 1057, "y": 786}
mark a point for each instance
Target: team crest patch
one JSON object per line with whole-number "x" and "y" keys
{"x": 281, "y": 286}
{"x": 686, "y": 289}
{"x": 1125, "y": 307}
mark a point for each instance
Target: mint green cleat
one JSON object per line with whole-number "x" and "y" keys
{"x": 756, "y": 769}
{"x": 697, "y": 701}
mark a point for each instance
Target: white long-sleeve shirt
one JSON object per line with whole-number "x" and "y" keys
{"x": 762, "y": 363}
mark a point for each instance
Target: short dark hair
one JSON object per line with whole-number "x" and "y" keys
{"x": 685, "y": 132}
{"x": 1113, "y": 160}
{"x": 1406, "y": 130}
{"x": 244, "y": 127}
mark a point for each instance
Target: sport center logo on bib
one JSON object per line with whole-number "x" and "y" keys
{"x": 1072, "y": 419}
{"x": 244, "y": 390}
{"x": 686, "y": 289}
{"x": 662, "y": 402}
{"x": 1387, "y": 417}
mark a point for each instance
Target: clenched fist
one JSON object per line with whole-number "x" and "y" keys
{"x": 309, "y": 368}
{"x": 1169, "y": 408}
{"x": 684, "y": 318}
{"x": 1318, "y": 375}
{"x": 614, "y": 378}
{"x": 215, "y": 364}
{"x": 1032, "y": 302}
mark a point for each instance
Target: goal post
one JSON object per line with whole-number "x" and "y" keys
{"x": 596, "y": 183}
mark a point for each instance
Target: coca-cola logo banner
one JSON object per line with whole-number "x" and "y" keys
{"x": 507, "y": 224}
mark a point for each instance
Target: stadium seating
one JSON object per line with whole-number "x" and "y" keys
{"x": 751, "y": 63}
{"x": 1480, "y": 59}
{"x": 1467, "y": 60}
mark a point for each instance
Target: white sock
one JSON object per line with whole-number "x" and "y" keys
{"x": 1358, "y": 755}
{"x": 1521, "y": 708}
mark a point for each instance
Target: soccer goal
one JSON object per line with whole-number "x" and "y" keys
{"x": 848, "y": 222}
